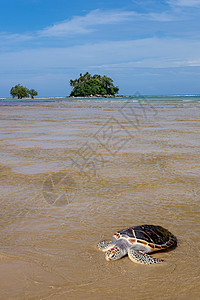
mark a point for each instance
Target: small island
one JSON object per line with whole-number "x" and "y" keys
{"x": 93, "y": 86}
{"x": 20, "y": 92}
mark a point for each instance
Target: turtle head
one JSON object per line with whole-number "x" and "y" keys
{"x": 114, "y": 253}
{"x": 105, "y": 246}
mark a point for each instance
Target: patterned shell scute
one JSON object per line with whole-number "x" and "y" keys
{"x": 129, "y": 232}
{"x": 150, "y": 233}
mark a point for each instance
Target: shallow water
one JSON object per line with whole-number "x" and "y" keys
{"x": 72, "y": 173}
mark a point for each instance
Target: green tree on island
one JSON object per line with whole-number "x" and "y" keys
{"x": 33, "y": 93}
{"x": 87, "y": 85}
{"x": 22, "y": 92}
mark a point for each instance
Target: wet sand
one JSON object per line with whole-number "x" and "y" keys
{"x": 72, "y": 173}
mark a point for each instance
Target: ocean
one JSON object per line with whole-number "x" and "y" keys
{"x": 133, "y": 98}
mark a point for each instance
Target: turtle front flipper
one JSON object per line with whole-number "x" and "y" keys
{"x": 142, "y": 258}
{"x": 105, "y": 246}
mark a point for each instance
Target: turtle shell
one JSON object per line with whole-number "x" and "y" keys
{"x": 155, "y": 237}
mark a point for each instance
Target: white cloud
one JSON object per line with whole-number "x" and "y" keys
{"x": 161, "y": 17}
{"x": 162, "y": 53}
{"x": 79, "y": 25}
{"x": 151, "y": 63}
{"x": 192, "y": 63}
{"x": 15, "y": 37}
{"x": 84, "y": 24}
{"x": 188, "y": 3}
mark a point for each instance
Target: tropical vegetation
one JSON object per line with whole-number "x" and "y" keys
{"x": 97, "y": 85}
{"x": 33, "y": 93}
{"x": 22, "y": 92}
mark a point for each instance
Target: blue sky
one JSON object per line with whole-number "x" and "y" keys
{"x": 148, "y": 46}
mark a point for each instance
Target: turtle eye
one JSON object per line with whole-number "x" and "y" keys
{"x": 112, "y": 256}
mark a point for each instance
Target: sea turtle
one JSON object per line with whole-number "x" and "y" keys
{"x": 137, "y": 241}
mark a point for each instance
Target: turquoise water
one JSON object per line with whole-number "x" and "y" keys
{"x": 134, "y": 98}
{"x": 180, "y": 98}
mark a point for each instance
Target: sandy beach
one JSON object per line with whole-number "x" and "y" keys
{"x": 73, "y": 173}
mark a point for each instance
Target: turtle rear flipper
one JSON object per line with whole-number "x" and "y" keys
{"x": 105, "y": 246}
{"x": 142, "y": 258}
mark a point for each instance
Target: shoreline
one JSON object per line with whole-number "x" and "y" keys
{"x": 117, "y": 98}
{"x": 62, "y": 98}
